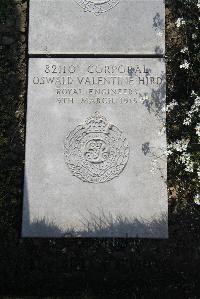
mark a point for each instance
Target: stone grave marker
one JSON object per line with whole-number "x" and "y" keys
{"x": 97, "y": 26}
{"x": 96, "y": 161}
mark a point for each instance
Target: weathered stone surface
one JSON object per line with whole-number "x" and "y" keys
{"x": 97, "y": 26}
{"x": 95, "y": 148}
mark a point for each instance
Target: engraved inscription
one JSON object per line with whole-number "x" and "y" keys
{"x": 97, "y": 151}
{"x": 97, "y": 7}
{"x": 99, "y": 84}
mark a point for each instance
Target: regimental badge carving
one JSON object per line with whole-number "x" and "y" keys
{"x": 97, "y": 6}
{"x": 97, "y": 151}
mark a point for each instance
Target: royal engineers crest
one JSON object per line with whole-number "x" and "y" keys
{"x": 97, "y": 6}
{"x": 97, "y": 151}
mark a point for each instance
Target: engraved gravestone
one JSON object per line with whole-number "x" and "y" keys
{"x": 102, "y": 27}
{"x": 95, "y": 138}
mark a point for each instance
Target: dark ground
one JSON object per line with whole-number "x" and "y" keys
{"x": 73, "y": 268}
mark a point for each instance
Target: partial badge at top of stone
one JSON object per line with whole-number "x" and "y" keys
{"x": 97, "y": 27}
{"x": 97, "y": 6}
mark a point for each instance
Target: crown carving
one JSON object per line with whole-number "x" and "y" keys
{"x": 97, "y": 123}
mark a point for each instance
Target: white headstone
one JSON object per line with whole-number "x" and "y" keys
{"x": 97, "y": 27}
{"x": 95, "y": 148}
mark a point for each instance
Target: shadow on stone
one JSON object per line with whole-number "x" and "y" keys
{"x": 159, "y": 96}
{"x": 44, "y": 228}
{"x": 156, "y": 103}
{"x": 158, "y": 23}
{"x": 102, "y": 226}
